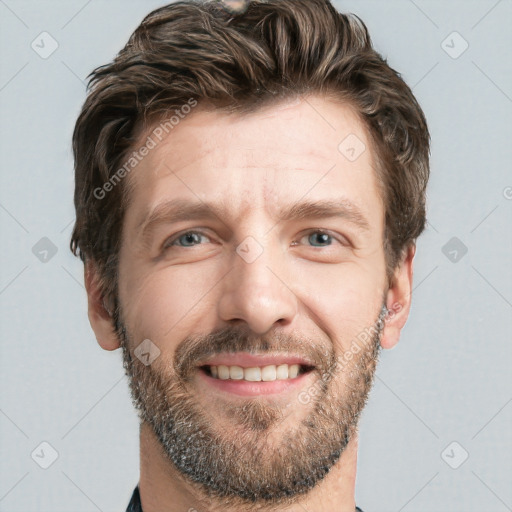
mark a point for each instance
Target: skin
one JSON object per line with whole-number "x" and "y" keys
{"x": 256, "y": 163}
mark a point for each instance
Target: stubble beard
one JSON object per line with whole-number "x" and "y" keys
{"x": 261, "y": 460}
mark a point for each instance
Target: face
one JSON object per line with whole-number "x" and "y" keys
{"x": 252, "y": 259}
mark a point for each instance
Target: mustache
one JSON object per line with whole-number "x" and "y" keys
{"x": 195, "y": 350}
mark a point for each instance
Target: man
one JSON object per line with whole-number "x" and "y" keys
{"x": 250, "y": 185}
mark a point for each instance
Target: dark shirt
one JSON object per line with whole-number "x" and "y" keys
{"x": 135, "y": 505}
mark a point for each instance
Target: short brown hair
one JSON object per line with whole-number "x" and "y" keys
{"x": 276, "y": 49}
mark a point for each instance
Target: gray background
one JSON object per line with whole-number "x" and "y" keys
{"x": 447, "y": 381}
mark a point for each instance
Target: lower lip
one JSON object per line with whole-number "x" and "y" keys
{"x": 247, "y": 388}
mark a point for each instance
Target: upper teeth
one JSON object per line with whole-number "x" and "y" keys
{"x": 255, "y": 374}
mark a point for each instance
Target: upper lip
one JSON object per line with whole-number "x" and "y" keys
{"x": 247, "y": 360}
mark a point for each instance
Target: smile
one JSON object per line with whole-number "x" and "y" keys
{"x": 256, "y": 373}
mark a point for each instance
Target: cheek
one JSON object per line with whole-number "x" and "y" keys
{"x": 164, "y": 305}
{"x": 344, "y": 299}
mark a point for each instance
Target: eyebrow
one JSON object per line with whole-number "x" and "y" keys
{"x": 177, "y": 210}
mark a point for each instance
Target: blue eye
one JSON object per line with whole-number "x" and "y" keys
{"x": 316, "y": 238}
{"x": 190, "y": 237}
{"x": 321, "y": 237}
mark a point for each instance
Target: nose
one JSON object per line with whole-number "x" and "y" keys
{"x": 258, "y": 289}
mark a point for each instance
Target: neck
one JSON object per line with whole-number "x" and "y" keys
{"x": 162, "y": 487}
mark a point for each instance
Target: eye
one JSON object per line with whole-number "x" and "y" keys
{"x": 188, "y": 239}
{"x": 318, "y": 238}
{"x": 321, "y": 237}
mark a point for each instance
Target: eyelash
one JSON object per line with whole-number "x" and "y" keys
{"x": 170, "y": 241}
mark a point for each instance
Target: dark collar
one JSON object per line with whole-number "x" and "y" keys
{"x": 134, "y": 505}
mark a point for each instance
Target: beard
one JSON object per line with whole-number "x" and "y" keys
{"x": 253, "y": 451}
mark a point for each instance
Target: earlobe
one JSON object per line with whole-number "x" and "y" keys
{"x": 99, "y": 310}
{"x": 398, "y": 300}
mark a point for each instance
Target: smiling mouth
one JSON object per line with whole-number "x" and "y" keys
{"x": 266, "y": 373}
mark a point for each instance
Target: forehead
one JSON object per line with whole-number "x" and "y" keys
{"x": 273, "y": 134}
{"x": 305, "y": 146}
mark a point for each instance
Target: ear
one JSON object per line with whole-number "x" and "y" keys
{"x": 101, "y": 320}
{"x": 398, "y": 300}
